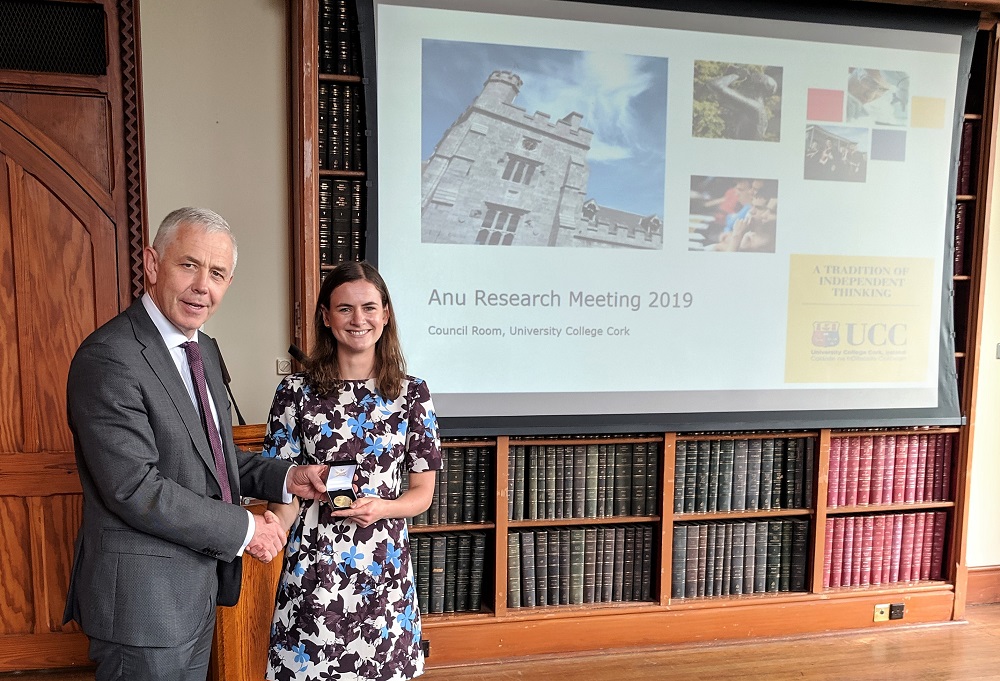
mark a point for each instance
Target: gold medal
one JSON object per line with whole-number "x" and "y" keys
{"x": 342, "y": 501}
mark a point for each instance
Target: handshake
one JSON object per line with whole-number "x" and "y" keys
{"x": 269, "y": 533}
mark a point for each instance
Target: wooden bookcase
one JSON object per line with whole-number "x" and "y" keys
{"x": 498, "y": 630}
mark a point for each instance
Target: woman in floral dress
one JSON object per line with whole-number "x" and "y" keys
{"x": 346, "y": 605}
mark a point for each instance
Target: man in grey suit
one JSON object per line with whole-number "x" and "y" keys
{"x": 162, "y": 533}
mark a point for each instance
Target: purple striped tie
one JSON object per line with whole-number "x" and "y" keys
{"x": 200, "y": 386}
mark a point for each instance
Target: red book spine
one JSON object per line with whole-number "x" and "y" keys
{"x": 912, "y": 456}
{"x": 887, "y": 547}
{"x": 837, "y": 555}
{"x": 897, "y": 547}
{"x": 828, "y": 553}
{"x": 906, "y": 546}
{"x": 936, "y": 476}
{"x": 833, "y": 479}
{"x": 865, "y": 470}
{"x": 918, "y": 545}
{"x": 946, "y": 468}
{"x": 867, "y": 548}
{"x": 857, "y": 551}
{"x": 919, "y": 493}
{"x": 937, "y": 545}
{"x": 853, "y": 464}
{"x": 899, "y": 473}
{"x": 878, "y": 539}
{"x": 890, "y": 468}
{"x": 845, "y": 577}
{"x": 878, "y": 470}
{"x": 927, "y": 554}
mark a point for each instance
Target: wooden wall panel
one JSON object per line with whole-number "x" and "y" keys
{"x": 60, "y": 517}
{"x": 11, "y": 434}
{"x": 17, "y": 611}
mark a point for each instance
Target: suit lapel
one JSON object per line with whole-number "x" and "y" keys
{"x": 156, "y": 354}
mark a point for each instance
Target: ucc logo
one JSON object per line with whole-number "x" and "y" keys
{"x": 828, "y": 334}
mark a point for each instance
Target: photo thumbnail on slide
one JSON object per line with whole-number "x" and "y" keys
{"x": 836, "y": 152}
{"x": 525, "y": 146}
{"x": 877, "y": 97}
{"x": 733, "y": 214}
{"x": 736, "y": 101}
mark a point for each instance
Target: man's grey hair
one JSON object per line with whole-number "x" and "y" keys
{"x": 210, "y": 221}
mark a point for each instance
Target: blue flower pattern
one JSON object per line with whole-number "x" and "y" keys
{"x": 347, "y": 596}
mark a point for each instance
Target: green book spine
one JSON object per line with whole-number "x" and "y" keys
{"x": 463, "y": 571}
{"x": 772, "y": 572}
{"x": 785, "y": 566}
{"x": 714, "y": 457}
{"x": 531, "y": 475}
{"x": 484, "y": 470}
{"x": 809, "y": 473}
{"x": 680, "y": 466}
{"x": 607, "y": 583}
{"x": 736, "y": 570}
{"x": 513, "y": 570}
{"x": 678, "y": 562}
{"x": 638, "y": 502}
{"x": 552, "y": 572}
{"x": 550, "y": 481}
{"x": 720, "y": 553}
{"x": 710, "y": 558}
{"x": 579, "y": 480}
{"x": 598, "y": 563}
{"x": 702, "y": 559}
{"x": 690, "y": 561}
{"x": 778, "y": 474}
{"x": 739, "y": 495}
{"x": 754, "y": 455}
{"x": 450, "y": 573}
{"x": 701, "y": 476}
{"x": 476, "y": 574}
{"x": 541, "y": 567}
{"x": 422, "y": 570}
{"x": 749, "y": 555}
{"x": 567, "y": 480}
{"x": 699, "y": 449}
{"x": 800, "y": 540}
{"x": 439, "y": 545}
{"x": 623, "y": 479}
{"x": 528, "y": 568}
{"x": 618, "y": 577}
{"x": 469, "y": 486}
{"x": 519, "y": 455}
{"x": 766, "y": 472}
{"x": 590, "y": 482}
{"x": 589, "y": 563}
{"x": 564, "y": 566}
{"x": 434, "y": 515}
{"x": 456, "y": 476}
{"x": 559, "y": 454}
{"x": 760, "y": 559}
{"x": 794, "y": 466}
{"x": 628, "y": 563}
{"x": 726, "y": 456}
{"x": 577, "y": 542}
{"x": 602, "y": 481}
{"x": 652, "y": 478}
{"x": 511, "y": 473}
{"x": 727, "y": 560}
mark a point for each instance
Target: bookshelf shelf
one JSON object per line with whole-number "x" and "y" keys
{"x": 497, "y": 630}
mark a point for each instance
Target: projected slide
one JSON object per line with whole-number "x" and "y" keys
{"x": 587, "y": 209}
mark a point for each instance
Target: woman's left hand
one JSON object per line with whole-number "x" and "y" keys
{"x": 364, "y": 511}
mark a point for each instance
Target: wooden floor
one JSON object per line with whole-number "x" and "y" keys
{"x": 953, "y": 651}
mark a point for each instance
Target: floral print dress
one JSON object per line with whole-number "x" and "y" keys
{"x": 346, "y": 605}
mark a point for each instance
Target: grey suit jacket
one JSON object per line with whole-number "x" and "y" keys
{"x": 156, "y": 543}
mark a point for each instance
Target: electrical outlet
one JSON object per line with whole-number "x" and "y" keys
{"x": 881, "y": 613}
{"x": 896, "y": 611}
{"x": 283, "y": 366}
{"x": 426, "y": 646}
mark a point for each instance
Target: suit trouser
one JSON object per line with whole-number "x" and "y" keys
{"x": 186, "y": 662}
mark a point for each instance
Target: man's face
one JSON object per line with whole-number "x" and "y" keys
{"x": 189, "y": 281}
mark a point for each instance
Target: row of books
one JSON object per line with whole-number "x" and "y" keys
{"x": 341, "y": 134}
{"x": 339, "y": 41}
{"x": 965, "y": 186}
{"x": 889, "y": 469}
{"x": 733, "y": 558}
{"x": 743, "y": 474}
{"x": 566, "y": 566}
{"x": 448, "y": 569}
{"x": 341, "y": 231}
{"x": 885, "y": 548}
{"x": 463, "y": 492}
{"x": 582, "y": 481}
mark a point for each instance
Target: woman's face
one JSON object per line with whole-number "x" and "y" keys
{"x": 356, "y": 316}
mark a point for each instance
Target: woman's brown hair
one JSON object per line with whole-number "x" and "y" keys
{"x": 321, "y": 365}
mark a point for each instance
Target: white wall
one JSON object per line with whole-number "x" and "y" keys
{"x": 216, "y": 97}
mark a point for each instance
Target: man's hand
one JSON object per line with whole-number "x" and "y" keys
{"x": 268, "y": 538}
{"x": 308, "y": 482}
